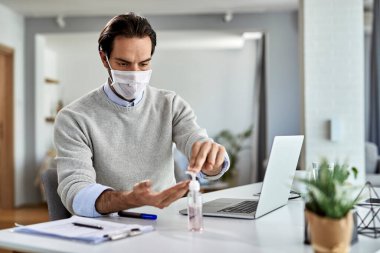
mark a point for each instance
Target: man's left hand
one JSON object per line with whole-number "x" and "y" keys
{"x": 207, "y": 157}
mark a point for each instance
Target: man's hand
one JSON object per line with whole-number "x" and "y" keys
{"x": 142, "y": 194}
{"x": 112, "y": 201}
{"x": 207, "y": 156}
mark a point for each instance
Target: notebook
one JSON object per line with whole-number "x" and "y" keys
{"x": 275, "y": 189}
{"x": 88, "y": 230}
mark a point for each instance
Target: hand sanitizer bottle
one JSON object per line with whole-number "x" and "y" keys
{"x": 194, "y": 204}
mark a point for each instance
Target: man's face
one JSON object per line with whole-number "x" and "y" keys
{"x": 129, "y": 54}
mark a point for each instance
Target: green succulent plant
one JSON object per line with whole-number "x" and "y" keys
{"x": 328, "y": 193}
{"x": 234, "y": 143}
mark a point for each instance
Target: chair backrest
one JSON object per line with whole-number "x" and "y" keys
{"x": 371, "y": 157}
{"x": 56, "y": 209}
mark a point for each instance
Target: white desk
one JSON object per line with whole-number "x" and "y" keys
{"x": 279, "y": 231}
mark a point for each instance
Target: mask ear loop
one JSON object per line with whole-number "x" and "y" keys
{"x": 109, "y": 65}
{"x": 107, "y": 60}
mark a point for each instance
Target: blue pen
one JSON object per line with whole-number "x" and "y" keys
{"x": 145, "y": 216}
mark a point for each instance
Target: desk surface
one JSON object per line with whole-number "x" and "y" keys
{"x": 279, "y": 231}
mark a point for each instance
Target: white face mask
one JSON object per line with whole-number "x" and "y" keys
{"x": 130, "y": 84}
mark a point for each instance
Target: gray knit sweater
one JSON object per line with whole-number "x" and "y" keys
{"x": 98, "y": 141}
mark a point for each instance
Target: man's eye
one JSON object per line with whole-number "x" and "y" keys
{"x": 122, "y": 64}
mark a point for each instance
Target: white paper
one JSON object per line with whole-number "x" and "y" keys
{"x": 66, "y": 230}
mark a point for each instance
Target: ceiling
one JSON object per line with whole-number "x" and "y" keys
{"x": 52, "y": 8}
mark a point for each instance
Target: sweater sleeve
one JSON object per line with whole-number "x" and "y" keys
{"x": 74, "y": 157}
{"x": 185, "y": 128}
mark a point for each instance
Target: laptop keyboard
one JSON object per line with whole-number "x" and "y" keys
{"x": 242, "y": 207}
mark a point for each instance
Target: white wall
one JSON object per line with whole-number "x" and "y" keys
{"x": 333, "y": 80}
{"x": 78, "y": 66}
{"x": 48, "y": 96}
{"x": 51, "y": 90}
{"x": 12, "y": 35}
{"x": 218, "y": 83}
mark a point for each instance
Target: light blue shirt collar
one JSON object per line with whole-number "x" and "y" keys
{"x": 119, "y": 101}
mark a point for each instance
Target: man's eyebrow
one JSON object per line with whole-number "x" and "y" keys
{"x": 150, "y": 58}
{"x": 123, "y": 60}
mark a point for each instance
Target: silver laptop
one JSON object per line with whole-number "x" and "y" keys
{"x": 275, "y": 189}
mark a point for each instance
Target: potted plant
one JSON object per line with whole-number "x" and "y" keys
{"x": 234, "y": 144}
{"x": 329, "y": 200}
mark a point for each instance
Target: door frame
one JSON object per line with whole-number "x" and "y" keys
{"x": 7, "y": 174}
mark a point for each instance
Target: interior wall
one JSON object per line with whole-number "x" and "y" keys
{"x": 79, "y": 66}
{"x": 12, "y": 35}
{"x": 218, "y": 84}
{"x": 48, "y": 95}
{"x": 333, "y": 82}
{"x": 283, "y": 91}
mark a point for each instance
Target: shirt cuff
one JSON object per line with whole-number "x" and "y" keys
{"x": 225, "y": 167}
{"x": 84, "y": 200}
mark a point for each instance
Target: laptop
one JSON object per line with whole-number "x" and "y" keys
{"x": 275, "y": 189}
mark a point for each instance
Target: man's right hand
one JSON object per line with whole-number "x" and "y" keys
{"x": 112, "y": 201}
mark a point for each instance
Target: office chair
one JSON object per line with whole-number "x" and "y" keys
{"x": 56, "y": 209}
{"x": 372, "y": 163}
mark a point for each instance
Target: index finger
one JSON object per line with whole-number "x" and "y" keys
{"x": 194, "y": 153}
{"x": 202, "y": 156}
{"x": 171, "y": 194}
{"x": 174, "y": 196}
{"x": 143, "y": 186}
{"x": 175, "y": 188}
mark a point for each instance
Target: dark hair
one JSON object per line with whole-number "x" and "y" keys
{"x": 128, "y": 25}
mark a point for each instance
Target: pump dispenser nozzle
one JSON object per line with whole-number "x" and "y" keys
{"x": 194, "y": 184}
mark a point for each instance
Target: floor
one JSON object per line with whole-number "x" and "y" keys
{"x": 24, "y": 216}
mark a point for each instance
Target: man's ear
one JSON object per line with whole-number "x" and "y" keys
{"x": 102, "y": 55}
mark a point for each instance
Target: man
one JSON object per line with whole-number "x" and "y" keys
{"x": 115, "y": 144}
